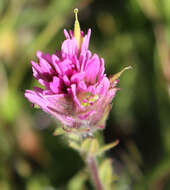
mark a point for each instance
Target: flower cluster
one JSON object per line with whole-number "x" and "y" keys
{"x": 75, "y": 91}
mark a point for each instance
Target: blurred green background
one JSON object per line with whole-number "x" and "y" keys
{"x": 124, "y": 32}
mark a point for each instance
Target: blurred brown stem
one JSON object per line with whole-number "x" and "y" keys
{"x": 92, "y": 165}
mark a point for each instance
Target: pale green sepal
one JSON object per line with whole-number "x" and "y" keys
{"x": 58, "y": 131}
{"x": 90, "y": 146}
{"x": 74, "y": 145}
{"x": 36, "y": 106}
{"x": 94, "y": 148}
{"x": 85, "y": 146}
{"x": 74, "y": 137}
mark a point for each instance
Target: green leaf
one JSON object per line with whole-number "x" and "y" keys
{"x": 108, "y": 147}
{"x": 106, "y": 174}
{"x": 77, "y": 182}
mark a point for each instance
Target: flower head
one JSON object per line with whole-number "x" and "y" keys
{"x": 75, "y": 90}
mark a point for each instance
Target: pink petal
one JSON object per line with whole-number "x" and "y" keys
{"x": 66, "y": 80}
{"x": 92, "y": 69}
{"x": 36, "y": 98}
{"x": 59, "y": 102}
{"x": 65, "y": 67}
{"x": 103, "y": 86}
{"x": 92, "y": 89}
{"x": 87, "y": 115}
{"x": 82, "y": 86}
{"x": 77, "y": 77}
{"x": 45, "y": 66}
{"x": 36, "y": 67}
{"x": 69, "y": 47}
{"x": 85, "y": 44}
{"x": 39, "y": 54}
{"x": 55, "y": 61}
{"x": 56, "y": 85}
{"x": 66, "y": 34}
{"x": 101, "y": 70}
{"x": 84, "y": 58}
{"x": 74, "y": 95}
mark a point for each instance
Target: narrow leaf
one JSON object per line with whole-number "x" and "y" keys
{"x": 108, "y": 147}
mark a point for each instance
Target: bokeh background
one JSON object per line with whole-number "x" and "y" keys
{"x": 124, "y": 32}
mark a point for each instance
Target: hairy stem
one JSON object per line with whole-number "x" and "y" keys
{"x": 91, "y": 162}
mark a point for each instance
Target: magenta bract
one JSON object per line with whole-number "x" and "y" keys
{"x": 75, "y": 89}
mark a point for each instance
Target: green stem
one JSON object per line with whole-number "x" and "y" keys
{"x": 92, "y": 165}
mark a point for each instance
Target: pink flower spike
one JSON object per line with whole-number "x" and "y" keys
{"x": 75, "y": 90}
